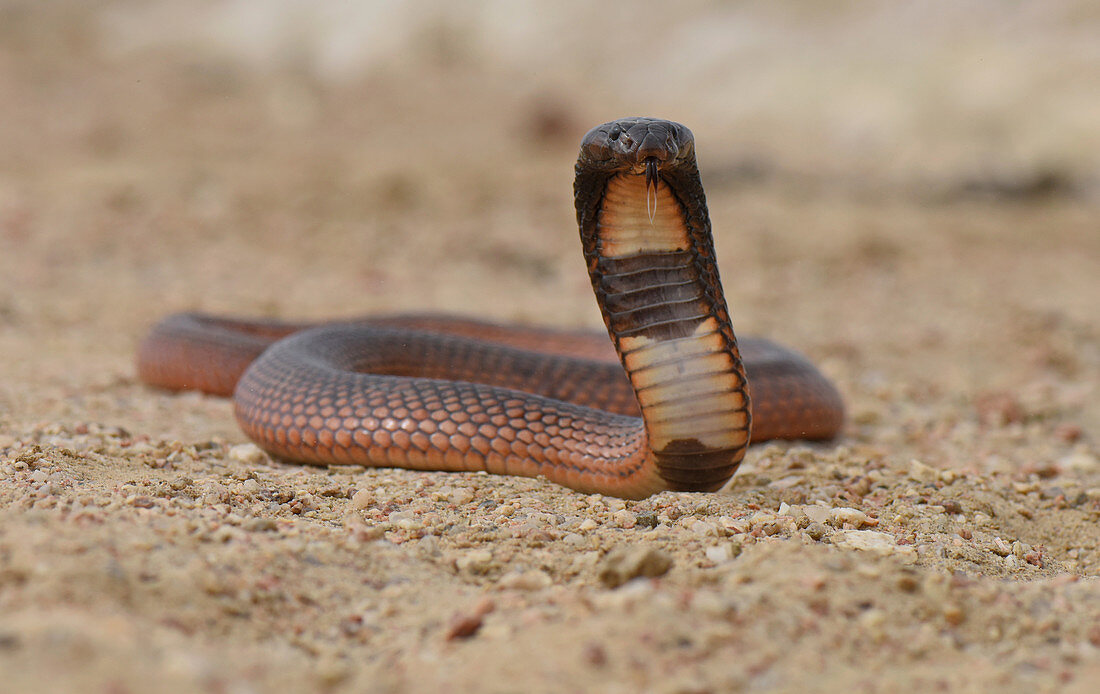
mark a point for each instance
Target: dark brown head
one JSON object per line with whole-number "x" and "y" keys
{"x": 660, "y": 150}
{"x": 629, "y": 144}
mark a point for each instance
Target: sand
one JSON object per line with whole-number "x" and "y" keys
{"x": 930, "y": 237}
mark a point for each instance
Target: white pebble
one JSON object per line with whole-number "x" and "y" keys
{"x": 719, "y": 554}
{"x": 247, "y": 453}
{"x": 869, "y": 541}
{"x": 361, "y": 499}
{"x": 817, "y": 514}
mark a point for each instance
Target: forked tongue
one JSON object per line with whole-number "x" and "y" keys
{"x": 651, "y": 187}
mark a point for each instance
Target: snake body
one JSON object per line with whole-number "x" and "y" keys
{"x": 437, "y": 393}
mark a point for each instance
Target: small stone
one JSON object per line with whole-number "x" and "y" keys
{"x": 701, "y": 527}
{"x": 260, "y": 525}
{"x": 908, "y": 583}
{"x": 526, "y": 580}
{"x": 625, "y": 563}
{"x": 920, "y": 472}
{"x": 180, "y": 483}
{"x": 461, "y": 496}
{"x": 770, "y": 529}
{"x": 953, "y": 615}
{"x": 719, "y": 554}
{"x": 247, "y": 453}
{"x": 1025, "y": 487}
{"x": 1080, "y": 461}
{"x": 361, "y": 499}
{"x": 869, "y": 541}
{"x": 647, "y": 519}
{"x": 226, "y": 533}
{"x": 816, "y": 530}
{"x": 624, "y": 519}
{"x": 476, "y": 561}
{"x": 463, "y": 626}
{"x": 786, "y": 482}
{"x": 853, "y": 517}
{"x": 817, "y": 514}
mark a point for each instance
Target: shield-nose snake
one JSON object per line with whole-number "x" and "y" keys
{"x": 438, "y": 393}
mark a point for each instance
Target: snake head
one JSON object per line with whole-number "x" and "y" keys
{"x": 636, "y": 145}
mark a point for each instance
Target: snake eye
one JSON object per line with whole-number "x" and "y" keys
{"x": 614, "y": 133}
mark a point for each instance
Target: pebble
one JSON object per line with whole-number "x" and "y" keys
{"x": 464, "y": 625}
{"x": 701, "y": 527}
{"x": 526, "y": 580}
{"x": 624, "y": 563}
{"x": 817, "y": 514}
{"x": 361, "y": 499}
{"x": 260, "y": 525}
{"x": 720, "y": 554}
{"x": 247, "y": 453}
{"x": 816, "y": 530}
{"x": 476, "y": 561}
{"x": 624, "y": 519}
{"x": 869, "y": 541}
{"x": 461, "y": 496}
{"x": 853, "y": 517}
{"x": 1079, "y": 460}
{"x": 920, "y": 472}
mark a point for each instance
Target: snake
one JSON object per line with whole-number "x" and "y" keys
{"x": 671, "y": 403}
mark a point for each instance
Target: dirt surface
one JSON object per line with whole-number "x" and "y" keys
{"x": 911, "y": 199}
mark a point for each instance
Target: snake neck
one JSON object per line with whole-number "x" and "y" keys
{"x": 656, "y": 281}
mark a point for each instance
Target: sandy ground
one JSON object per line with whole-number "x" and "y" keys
{"x": 911, "y": 199}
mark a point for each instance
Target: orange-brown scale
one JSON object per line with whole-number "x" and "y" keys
{"x": 790, "y": 399}
{"x": 400, "y": 421}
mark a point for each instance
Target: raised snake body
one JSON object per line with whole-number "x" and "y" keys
{"x": 439, "y": 393}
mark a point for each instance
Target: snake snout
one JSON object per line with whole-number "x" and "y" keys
{"x": 654, "y": 146}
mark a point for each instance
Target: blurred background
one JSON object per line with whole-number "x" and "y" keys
{"x": 908, "y": 191}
